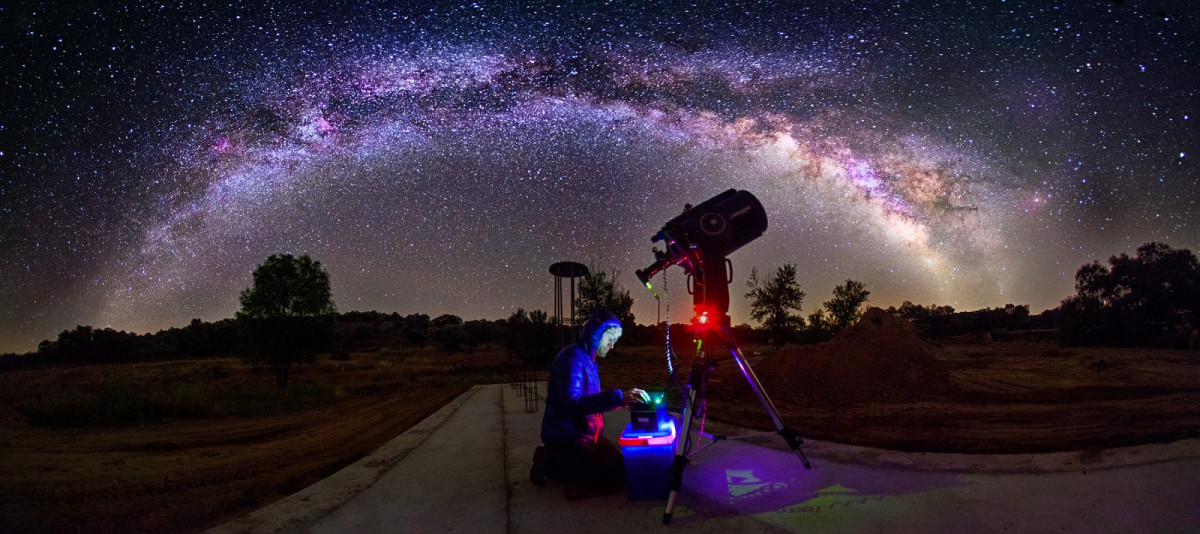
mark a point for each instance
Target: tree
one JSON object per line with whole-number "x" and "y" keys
{"x": 596, "y": 290}
{"x": 480, "y": 331}
{"x": 416, "y": 328}
{"x": 819, "y": 328}
{"x": 530, "y": 337}
{"x": 772, "y": 303}
{"x": 445, "y": 320}
{"x": 918, "y": 313}
{"x": 1133, "y": 302}
{"x": 845, "y": 308}
{"x": 451, "y": 337}
{"x": 288, "y": 315}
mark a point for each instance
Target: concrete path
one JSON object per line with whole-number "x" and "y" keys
{"x": 465, "y": 469}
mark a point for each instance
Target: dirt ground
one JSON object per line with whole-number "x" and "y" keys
{"x": 186, "y": 475}
{"x": 877, "y": 384}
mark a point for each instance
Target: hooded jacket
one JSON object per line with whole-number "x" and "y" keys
{"x": 574, "y": 401}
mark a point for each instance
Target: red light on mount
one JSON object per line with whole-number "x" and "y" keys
{"x": 703, "y": 319}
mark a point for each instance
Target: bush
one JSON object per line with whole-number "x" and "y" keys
{"x": 451, "y": 337}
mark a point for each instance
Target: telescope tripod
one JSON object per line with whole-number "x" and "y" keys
{"x": 695, "y": 407}
{"x": 701, "y": 239}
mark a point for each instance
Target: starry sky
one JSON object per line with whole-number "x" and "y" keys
{"x": 437, "y": 157}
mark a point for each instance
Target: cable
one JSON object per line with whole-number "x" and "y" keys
{"x": 667, "y": 304}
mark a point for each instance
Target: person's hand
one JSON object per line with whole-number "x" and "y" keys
{"x": 636, "y": 395}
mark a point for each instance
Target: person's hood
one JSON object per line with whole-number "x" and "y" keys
{"x": 593, "y": 330}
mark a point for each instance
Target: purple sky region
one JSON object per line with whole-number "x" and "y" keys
{"x": 439, "y": 157}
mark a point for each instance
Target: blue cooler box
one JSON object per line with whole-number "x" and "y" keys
{"x": 648, "y": 457}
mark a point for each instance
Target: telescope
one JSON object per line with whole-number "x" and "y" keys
{"x": 700, "y": 239}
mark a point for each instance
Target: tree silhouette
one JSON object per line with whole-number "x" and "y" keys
{"x": 445, "y": 320}
{"x": 772, "y": 303}
{"x": 597, "y": 290}
{"x": 530, "y": 338}
{"x": 819, "y": 327}
{"x": 288, "y": 315}
{"x": 845, "y": 308}
{"x": 1135, "y": 300}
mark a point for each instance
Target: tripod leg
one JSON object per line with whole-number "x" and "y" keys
{"x": 792, "y": 439}
{"x": 683, "y": 443}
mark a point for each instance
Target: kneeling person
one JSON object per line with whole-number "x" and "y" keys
{"x": 576, "y": 451}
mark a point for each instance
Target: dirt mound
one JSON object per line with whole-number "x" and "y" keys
{"x": 881, "y": 358}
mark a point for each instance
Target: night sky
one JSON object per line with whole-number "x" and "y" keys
{"x": 438, "y": 157}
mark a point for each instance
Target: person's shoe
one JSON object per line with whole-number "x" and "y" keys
{"x": 536, "y": 473}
